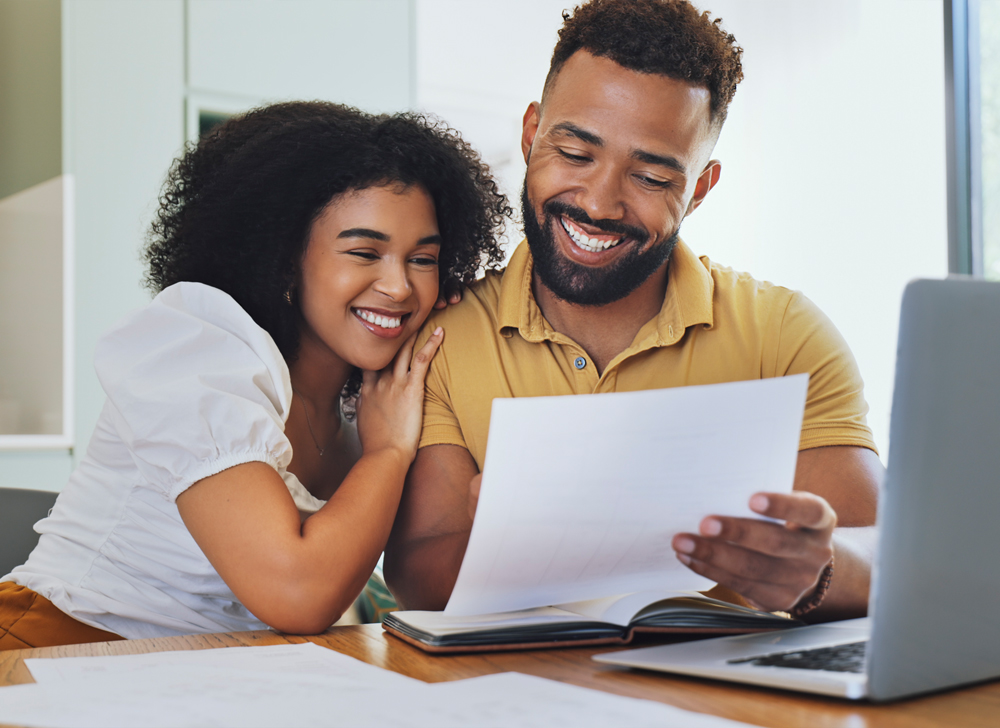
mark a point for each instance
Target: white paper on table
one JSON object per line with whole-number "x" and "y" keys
{"x": 180, "y": 689}
{"x": 527, "y": 701}
{"x": 581, "y": 495}
{"x": 301, "y": 659}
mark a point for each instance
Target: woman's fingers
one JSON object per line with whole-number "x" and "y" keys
{"x": 401, "y": 364}
{"x": 422, "y": 359}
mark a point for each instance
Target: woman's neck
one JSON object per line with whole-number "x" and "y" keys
{"x": 319, "y": 375}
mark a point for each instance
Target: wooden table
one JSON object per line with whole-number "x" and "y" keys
{"x": 972, "y": 707}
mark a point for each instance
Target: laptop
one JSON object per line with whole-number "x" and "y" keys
{"x": 933, "y": 616}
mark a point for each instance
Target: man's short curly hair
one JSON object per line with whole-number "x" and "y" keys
{"x": 237, "y": 209}
{"x": 668, "y": 37}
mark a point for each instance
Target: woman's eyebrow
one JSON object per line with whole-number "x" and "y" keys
{"x": 370, "y": 234}
{"x": 363, "y": 233}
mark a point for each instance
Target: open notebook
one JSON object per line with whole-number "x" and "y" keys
{"x": 612, "y": 620}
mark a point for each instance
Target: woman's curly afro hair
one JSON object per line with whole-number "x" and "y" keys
{"x": 237, "y": 209}
{"x": 669, "y": 37}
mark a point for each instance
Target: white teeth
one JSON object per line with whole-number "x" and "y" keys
{"x": 382, "y": 321}
{"x": 589, "y": 244}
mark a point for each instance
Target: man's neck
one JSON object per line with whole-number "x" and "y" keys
{"x": 604, "y": 331}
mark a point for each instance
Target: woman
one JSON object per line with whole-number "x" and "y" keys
{"x": 295, "y": 247}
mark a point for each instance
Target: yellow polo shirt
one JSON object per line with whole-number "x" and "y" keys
{"x": 716, "y": 325}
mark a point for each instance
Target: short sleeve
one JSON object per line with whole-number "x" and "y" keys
{"x": 835, "y": 405}
{"x": 195, "y": 387}
{"x": 441, "y": 425}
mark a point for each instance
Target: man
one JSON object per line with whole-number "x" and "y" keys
{"x": 604, "y": 297}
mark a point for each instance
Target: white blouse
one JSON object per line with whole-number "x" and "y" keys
{"x": 193, "y": 387}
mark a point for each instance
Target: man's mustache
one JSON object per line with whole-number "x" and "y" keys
{"x": 556, "y": 207}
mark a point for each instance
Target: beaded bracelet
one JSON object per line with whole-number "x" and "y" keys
{"x": 822, "y": 587}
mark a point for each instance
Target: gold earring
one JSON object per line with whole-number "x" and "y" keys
{"x": 288, "y": 296}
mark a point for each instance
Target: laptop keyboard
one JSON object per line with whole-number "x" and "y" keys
{"x": 839, "y": 658}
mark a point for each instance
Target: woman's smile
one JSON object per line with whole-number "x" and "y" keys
{"x": 387, "y": 324}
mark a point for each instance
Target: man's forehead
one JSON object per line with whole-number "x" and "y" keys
{"x": 592, "y": 91}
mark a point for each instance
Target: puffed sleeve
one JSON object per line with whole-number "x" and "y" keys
{"x": 195, "y": 387}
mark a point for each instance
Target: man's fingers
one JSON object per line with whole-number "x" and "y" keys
{"x": 773, "y": 539}
{"x": 762, "y": 595}
{"x": 805, "y": 510}
{"x": 422, "y": 359}
{"x": 748, "y": 564}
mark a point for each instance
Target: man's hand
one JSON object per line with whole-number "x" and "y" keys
{"x": 772, "y": 565}
{"x": 776, "y": 565}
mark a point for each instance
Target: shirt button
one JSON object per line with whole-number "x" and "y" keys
{"x": 579, "y": 362}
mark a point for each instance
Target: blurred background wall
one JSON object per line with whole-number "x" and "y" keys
{"x": 833, "y": 155}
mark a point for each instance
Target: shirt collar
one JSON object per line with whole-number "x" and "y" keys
{"x": 688, "y": 301}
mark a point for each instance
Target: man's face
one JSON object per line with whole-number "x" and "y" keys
{"x": 616, "y": 159}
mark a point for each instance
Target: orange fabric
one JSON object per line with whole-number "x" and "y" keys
{"x": 27, "y": 619}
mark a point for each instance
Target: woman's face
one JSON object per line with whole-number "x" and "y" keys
{"x": 369, "y": 274}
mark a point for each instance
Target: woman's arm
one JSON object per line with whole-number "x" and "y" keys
{"x": 300, "y": 577}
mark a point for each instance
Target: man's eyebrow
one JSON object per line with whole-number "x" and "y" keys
{"x": 583, "y": 135}
{"x": 650, "y": 158}
{"x": 363, "y": 233}
{"x": 588, "y": 137}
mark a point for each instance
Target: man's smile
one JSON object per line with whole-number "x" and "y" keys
{"x": 590, "y": 243}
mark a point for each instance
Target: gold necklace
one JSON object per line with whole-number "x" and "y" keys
{"x": 312, "y": 434}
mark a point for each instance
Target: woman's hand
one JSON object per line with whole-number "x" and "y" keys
{"x": 451, "y": 293}
{"x": 390, "y": 406}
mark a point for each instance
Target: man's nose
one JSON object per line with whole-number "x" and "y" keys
{"x": 600, "y": 195}
{"x": 394, "y": 281}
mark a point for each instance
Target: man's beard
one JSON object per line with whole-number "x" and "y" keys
{"x": 582, "y": 285}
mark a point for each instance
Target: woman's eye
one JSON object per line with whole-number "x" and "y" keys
{"x": 424, "y": 260}
{"x": 363, "y": 254}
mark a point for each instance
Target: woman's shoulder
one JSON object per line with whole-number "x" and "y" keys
{"x": 190, "y": 321}
{"x": 194, "y": 386}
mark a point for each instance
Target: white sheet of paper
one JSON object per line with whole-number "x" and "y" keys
{"x": 581, "y": 495}
{"x": 303, "y": 659}
{"x": 526, "y": 701}
{"x": 305, "y": 688}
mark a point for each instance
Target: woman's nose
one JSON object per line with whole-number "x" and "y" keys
{"x": 394, "y": 282}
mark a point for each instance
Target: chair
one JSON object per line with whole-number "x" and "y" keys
{"x": 20, "y": 510}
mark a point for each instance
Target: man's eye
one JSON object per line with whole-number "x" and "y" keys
{"x": 652, "y": 182}
{"x": 573, "y": 157}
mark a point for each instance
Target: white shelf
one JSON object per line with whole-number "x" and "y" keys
{"x": 35, "y": 442}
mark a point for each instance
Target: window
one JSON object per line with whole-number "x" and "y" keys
{"x": 989, "y": 85}
{"x": 972, "y": 61}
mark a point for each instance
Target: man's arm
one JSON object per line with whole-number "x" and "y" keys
{"x": 432, "y": 528}
{"x": 775, "y": 565}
